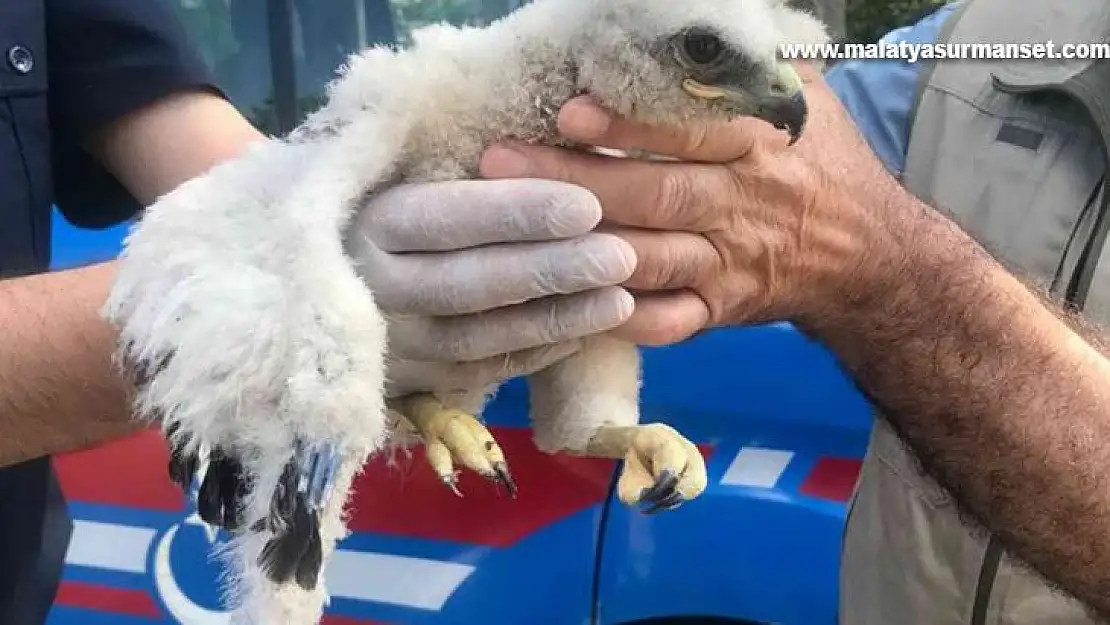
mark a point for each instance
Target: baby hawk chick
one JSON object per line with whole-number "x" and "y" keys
{"x": 257, "y": 347}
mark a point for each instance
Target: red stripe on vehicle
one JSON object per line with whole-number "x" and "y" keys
{"x": 407, "y": 499}
{"x": 107, "y": 599}
{"x": 130, "y": 472}
{"x": 832, "y": 479}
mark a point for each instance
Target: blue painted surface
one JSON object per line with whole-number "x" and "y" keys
{"x": 74, "y": 247}
{"x": 764, "y": 555}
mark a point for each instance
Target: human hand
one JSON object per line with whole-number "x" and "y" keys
{"x": 744, "y": 228}
{"x": 487, "y": 280}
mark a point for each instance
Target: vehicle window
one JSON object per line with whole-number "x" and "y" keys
{"x": 234, "y": 37}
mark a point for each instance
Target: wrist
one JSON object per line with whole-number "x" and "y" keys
{"x": 912, "y": 263}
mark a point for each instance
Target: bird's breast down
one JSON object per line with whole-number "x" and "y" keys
{"x": 449, "y": 143}
{"x": 454, "y": 94}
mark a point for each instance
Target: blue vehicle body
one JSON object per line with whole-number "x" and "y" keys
{"x": 782, "y": 428}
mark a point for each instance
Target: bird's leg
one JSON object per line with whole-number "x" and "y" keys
{"x": 662, "y": 469}
{"x": 452, "y": 436}
{"x": 588, "y": 404}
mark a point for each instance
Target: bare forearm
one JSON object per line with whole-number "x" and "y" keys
{"x": 1001, "y": 400}
{"x": 58, "y": 389}
{"x": 154, "y": 149}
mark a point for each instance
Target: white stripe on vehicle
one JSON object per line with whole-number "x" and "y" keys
{"x": 399, "y": 580}
{"x": 757, "y": 467}
{"x": 109, "y": 546}
{"x": 410, "y": 582}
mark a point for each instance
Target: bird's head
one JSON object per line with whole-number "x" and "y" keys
{"x": 667, "y": 61}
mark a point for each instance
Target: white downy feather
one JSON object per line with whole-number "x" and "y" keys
{"x": 241, "y": 274}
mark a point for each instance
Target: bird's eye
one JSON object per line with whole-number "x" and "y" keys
{"x": 702, "y": 47}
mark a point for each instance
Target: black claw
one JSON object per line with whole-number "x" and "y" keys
{"x": 670, "y": 502}
{"x": 664, "y": 486}
{"x": 501, "y": 474}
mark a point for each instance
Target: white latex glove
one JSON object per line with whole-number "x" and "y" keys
{"x": 484, "y": 280}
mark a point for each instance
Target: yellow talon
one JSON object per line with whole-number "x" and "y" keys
{"x": 662, "y": 469}
{"x": 454, "y": 436}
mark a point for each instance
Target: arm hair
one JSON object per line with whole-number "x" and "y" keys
{"x": 1002, "y": 395}
{"x": 58, "y": 388}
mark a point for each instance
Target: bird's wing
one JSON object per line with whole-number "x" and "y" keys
{"x": 250, "y": 335}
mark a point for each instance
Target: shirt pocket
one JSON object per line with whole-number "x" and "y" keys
{"x": 1017, "y": 172}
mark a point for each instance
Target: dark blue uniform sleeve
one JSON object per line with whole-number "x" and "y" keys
{"x": 107, "y": 58}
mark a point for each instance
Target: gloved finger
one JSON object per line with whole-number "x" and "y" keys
{"x": 460, "y": 214}
{"x": 633, "y": 192}
{"x": 481, "y": 279}
{"x": 412, "y": 376}
{"x": 466, "y": 338}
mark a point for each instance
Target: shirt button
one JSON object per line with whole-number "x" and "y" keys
{"x": 20, "y": 59}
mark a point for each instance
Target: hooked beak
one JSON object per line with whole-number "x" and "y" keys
{"x": 783, "y": 104}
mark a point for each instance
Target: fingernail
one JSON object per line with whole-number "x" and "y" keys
{"x": 626, "y": 306}
{"x": 584, "y": 120}
{"x": 617, "y": 306}
{"x": 504, "y": 162}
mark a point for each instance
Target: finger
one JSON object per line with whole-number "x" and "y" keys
{"x": 494, "y": 455}
{"x": 669, "y": 462}
{"x": 664, "y": 318}
{"x": 632, "y": 192}
{"x": 582, "y": 119}
{"x": 696, "y": 478}
{"x": 468, "y": 338}
{"x": 485, "y": 440}
{"x": 439, "y": 458}
{"x": 668, "y": 454}
{"x": 461, "y": 214}
{"x": 476, "y": 280}
{"x": 460, "y": 440}
{"x": 635, "y": 480}
{"x": 667, "y": 261}
{"x": 664, "y": 487}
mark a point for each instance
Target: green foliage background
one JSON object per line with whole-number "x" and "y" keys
{"x": 868, "y": 20}
{"x": 860, "y": 21}
{"x": 863, "y": 21}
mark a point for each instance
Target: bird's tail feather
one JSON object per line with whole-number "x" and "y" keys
{"x": 279, "y": 577}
